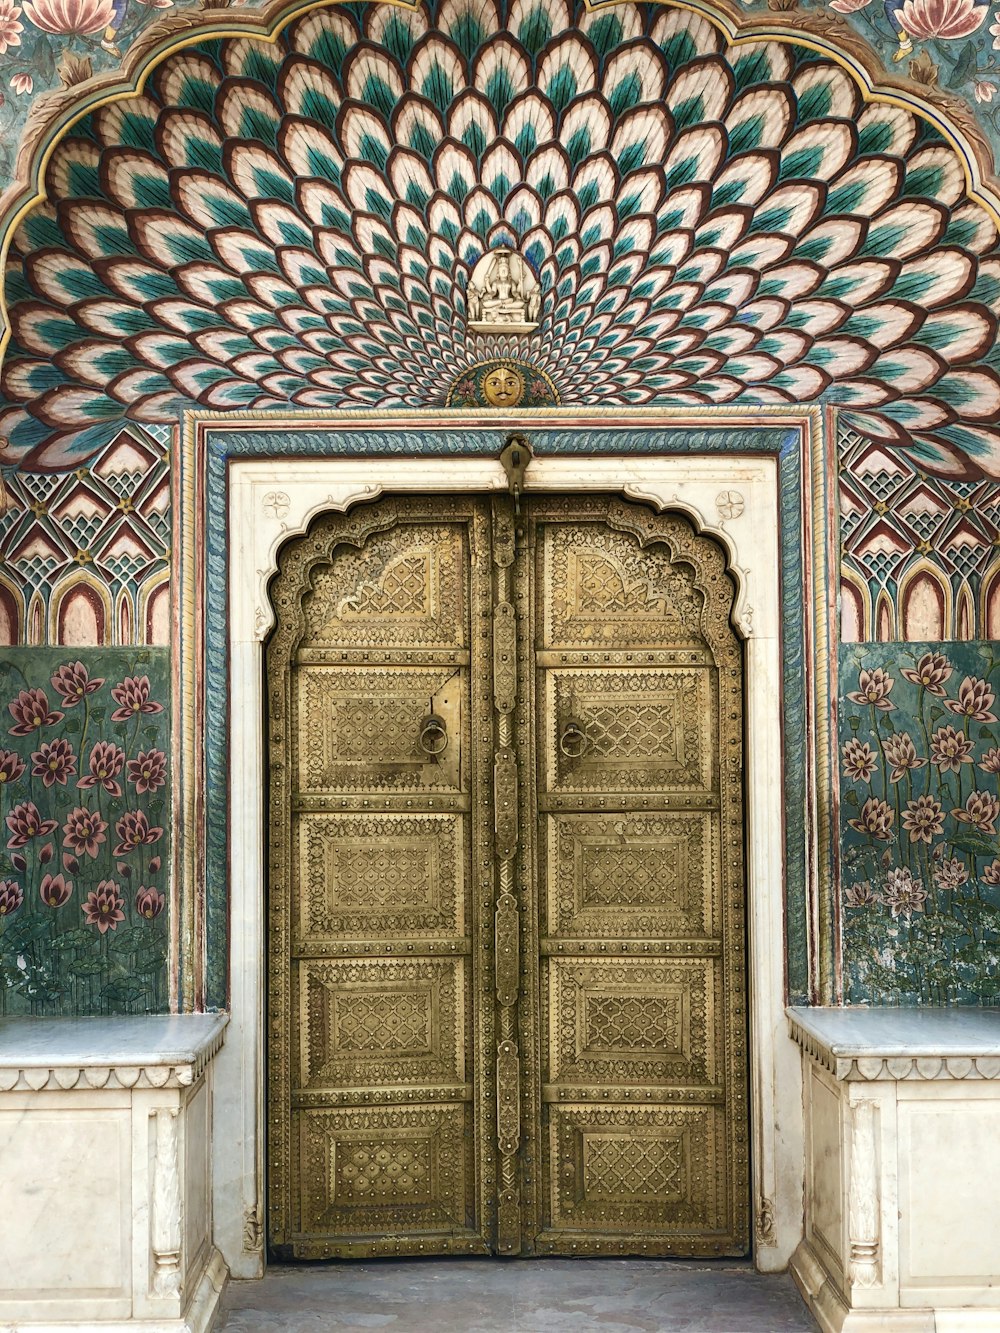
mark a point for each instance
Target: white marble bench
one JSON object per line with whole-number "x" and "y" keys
{"x": 902, "y": 1189}
{"x": 105, "y": 1172}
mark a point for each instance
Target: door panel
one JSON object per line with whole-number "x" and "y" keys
{"x": 378, "y": 1056}
{"x": 640, "y": 945}
{"x": 507, "y": 1007}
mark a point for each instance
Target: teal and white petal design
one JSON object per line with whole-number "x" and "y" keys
{"x": 295, "y": 224}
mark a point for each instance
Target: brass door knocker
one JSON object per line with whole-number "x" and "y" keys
{"x": 433, "y": 735}
{"x": 573, "y": 740}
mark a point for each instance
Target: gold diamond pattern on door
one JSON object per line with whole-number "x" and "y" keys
{"x": 377, "y": 1055}
{"x": 507, "y": 1001}
{"x": 642, "y": 1118}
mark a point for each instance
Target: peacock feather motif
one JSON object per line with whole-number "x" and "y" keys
{"x": 293, "y": 224}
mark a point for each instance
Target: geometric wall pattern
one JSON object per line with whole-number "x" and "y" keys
{"x": 84, "y": 555}
{"x": 920, "y": 555}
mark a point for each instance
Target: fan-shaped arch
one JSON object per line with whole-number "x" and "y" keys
{"x": 294, "y": 223}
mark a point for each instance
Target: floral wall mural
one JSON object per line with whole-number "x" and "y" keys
{"x": 85, "y": 814}
{"x": 920, "y": 758}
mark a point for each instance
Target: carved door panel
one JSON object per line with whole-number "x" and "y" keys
{"x": 505, "y": 902}
{"x": 376, "y": 1143}
{"x": 642, "y": 1126}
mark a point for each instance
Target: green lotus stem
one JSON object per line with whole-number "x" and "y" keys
{"x": 83, "y": 734}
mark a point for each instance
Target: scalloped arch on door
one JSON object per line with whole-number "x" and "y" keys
{"x": 291, "y": 223}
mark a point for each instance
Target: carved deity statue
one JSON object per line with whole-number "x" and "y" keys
{"x": 503, "y": 294}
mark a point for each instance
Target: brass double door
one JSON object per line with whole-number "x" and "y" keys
{"x": 506, "y": 892}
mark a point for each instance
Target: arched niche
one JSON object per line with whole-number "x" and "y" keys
{"x": 925, "y": 604}
{"x": 855, "y": 608}
{"x": 11, "y": 614}
{"x": 80, "y": 612}
{"x": 154, "y": 610}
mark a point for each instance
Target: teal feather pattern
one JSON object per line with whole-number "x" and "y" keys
{"x": 294, "y": 225}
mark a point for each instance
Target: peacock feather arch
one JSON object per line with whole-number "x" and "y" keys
{"x": 293, "y": 224}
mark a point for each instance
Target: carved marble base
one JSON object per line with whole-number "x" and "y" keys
{"x": 105, "y": 1190}
{"x": 902, "y": 1169}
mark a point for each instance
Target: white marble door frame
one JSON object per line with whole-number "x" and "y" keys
{"x": 733, "y": 498}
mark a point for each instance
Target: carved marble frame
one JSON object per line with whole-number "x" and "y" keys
{"x": 247, "y": 488}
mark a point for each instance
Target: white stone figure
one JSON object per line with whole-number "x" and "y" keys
{"x": 503, "y": 295}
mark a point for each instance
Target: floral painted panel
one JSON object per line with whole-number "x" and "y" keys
{"x": 85, "y": 813}
{"x": 920, "y": 758}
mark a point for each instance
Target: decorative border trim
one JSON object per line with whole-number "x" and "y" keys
{"x": 150, "y": 1073}
{"x": 895, "y": 1068}
{"x": 210, "y": 440}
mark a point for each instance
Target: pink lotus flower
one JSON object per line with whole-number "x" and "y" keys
{"x": 46, "y": 854}
{"x": 873, "y": 688}
{"x": 22, "y": 83}
{"x": 981, "y": 810}
{"x": 103, "y": 907}
{"x": 975, "y": 699}
{"x": 931, "y": 671}
{"x": 875, "y": 818}
{"x": 134, "y": 831}
{"x": 148, "y": 770}
{"x": 10, "y": 25}
{"x": 848, "y": 6}
{"x": 900, "y": 753}
{"x": 11, "y": 766}
{"x": 54, "y": 762}
{"x": 11, "y": 896}
{"x": 983, "y": 91}
{"x": 83, "y": 831}
{"x": 903, "y": 894}
{"x": 25, "y": 822}
{"x": 941, "y": 18}
{"x": 149, "y": 903}
{"x": 106, "y": 762}
{"x": 30, "y": 710}
{"x": 54, "y": 890}
{"x": 154, "y": 864}
{"x": 859, "y": 761}
{"x": 18, "y": 862}
{"x": 70, "y": 864}
{"x": 991, "y": 873}
{"x": 64, "y": 17}
{"x": 949, "y": 749}
{"x": 923, "y": 818}
{"x": 860, "y": 895}
{"x": 990, "y": 762}
{"x": 951, "y": 874}
{"x": 72, "y": 683}
{"x": 133, "y": 696}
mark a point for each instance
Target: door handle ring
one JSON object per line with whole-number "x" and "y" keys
{"x": 573, "y": 739}
{"x": 433, "y": 735}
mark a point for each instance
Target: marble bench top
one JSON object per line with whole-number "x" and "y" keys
{"x": 133, "y": 1050}
{"x": 928, "y": 1043}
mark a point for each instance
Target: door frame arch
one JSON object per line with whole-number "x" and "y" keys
{"x": 271, "y": 499}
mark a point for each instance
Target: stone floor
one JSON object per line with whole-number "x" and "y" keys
{"x": 510, "y": 1296}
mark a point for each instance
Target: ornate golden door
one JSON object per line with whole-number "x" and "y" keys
{"x": 506, "y": 909}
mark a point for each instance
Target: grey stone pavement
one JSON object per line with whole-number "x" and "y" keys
{"x": 518, "y": 1296}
